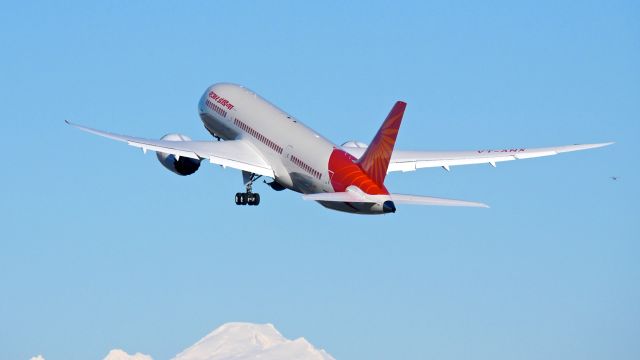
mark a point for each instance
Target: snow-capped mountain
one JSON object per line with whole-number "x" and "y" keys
{"x": 118, "y": 354}
{"x": 239, "y": 341}
{"x": 244, "y": 341}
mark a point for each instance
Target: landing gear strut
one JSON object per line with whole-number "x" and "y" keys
{"x": 248, "y": 197}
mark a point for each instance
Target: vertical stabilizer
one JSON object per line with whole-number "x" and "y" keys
{"x": 375, "y": 160}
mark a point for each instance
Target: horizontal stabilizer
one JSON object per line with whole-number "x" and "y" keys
{"x": 353, "y": 197}
{"x": 434, "y": 201}
{"x": 346, "y": 196}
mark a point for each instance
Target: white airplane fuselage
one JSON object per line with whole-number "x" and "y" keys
{"x": 301, "y": 158}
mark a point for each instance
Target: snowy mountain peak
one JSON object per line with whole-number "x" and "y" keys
{"x": 118, "y": 354}
{"x": 244, "y": 341}
{"x": 238, "y": 341}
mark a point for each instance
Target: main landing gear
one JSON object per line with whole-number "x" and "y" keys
{"x": 248, "y": 197}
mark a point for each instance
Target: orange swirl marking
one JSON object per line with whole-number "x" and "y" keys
{"x": 347, "y": 172}
{"x": 375, "y": 160}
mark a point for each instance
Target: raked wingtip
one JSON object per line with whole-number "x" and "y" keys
{"x": 599, "y": 145}
{"x": 481, "y": 205}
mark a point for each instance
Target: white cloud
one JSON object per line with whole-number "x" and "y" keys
{"x": 39, "y": 357}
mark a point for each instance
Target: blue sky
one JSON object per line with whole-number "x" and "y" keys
{"x": 103, "y": 248}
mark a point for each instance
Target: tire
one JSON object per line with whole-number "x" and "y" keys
{"x": 243, "y": 198}
{"x": 256, "y": 199}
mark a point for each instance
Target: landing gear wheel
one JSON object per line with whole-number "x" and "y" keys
{"x": 253, "y": 199}
{"x": 241, "y": 198}
{"x": 248, "y": 197}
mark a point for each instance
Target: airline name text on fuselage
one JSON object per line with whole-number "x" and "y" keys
{"x": 220, "y": 100}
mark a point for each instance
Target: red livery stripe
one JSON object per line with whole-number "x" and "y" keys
{"x": 346, "y": 172}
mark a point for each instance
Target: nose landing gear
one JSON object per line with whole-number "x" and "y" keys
{"x": 248, "y": 197}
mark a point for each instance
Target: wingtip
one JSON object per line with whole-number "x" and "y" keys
{"x": 481, "y": 205}
{"x": 599, "y": 145}
{"x": 578, "y": 147}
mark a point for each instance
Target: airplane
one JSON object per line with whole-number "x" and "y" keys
{"x": 261, "y": 140}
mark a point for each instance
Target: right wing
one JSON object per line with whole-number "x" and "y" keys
{"x": 413, "y": 160}
{"x": 237, "y": 154}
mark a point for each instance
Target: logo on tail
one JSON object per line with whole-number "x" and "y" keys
{"x": 375, "y": 160}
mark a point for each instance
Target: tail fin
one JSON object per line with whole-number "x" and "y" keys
{"x": 375, "y": 160}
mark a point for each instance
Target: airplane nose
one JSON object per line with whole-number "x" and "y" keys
{"x": 388, "y": 207}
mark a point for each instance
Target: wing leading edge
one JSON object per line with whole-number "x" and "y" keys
{"x": 237, "y": 154}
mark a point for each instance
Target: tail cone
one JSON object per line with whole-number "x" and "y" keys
{"x": 388, "y": 207}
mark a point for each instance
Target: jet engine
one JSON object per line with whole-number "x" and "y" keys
{"x": 275, "y": 185}
{"x": 183, "y": 165}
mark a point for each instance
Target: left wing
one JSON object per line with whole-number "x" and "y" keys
{"x": 237, "y": 154}
{"x": 413, "y": 160}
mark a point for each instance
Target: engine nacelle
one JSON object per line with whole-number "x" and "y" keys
{"x": 183, "y": 165}
{"x": 276, "y": 186}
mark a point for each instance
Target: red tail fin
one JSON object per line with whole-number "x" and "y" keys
{"x": 375, "y": 160}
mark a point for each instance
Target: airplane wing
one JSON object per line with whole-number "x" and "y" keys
{"x": 413, "y": 160}
{"x": 237, "y": 154}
